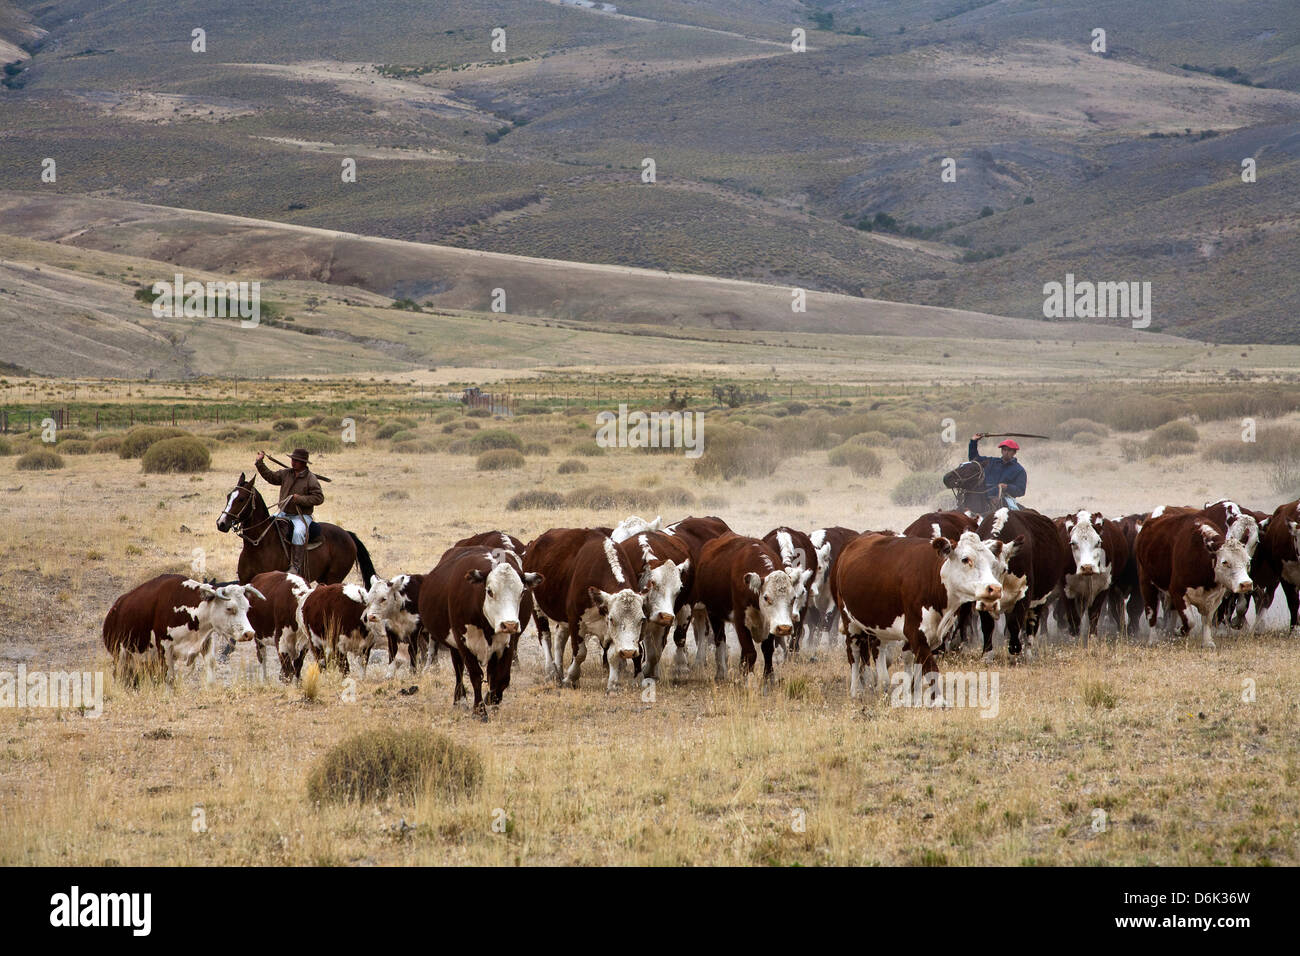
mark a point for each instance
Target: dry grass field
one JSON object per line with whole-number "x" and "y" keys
{"x": 1162, "y": 740}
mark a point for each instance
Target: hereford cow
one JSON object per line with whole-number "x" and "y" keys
{"x": 590, "y": 590}
{"x": 179, "y": 619}
{"x": 1126, "y": 581}
{"x": 695, "y": 533}
{"x": 741, "y": 580}
{"x": 822, "y": 616}
{"x": 1248, "y": 527}
{"x": 661, "y": 564}
{"x": 1095, "y": 560}
{"x": 1277, "y": 561}
{"x": 346, "y": 621}
{"x": 798, "y": 554}
{"x": 1184, "y": 555}
{"x": 951, "y": 525}
{"x": 476, "y": 602}
{"x": 1034, "y": 561}
{"x": 399, "y": 606}
{"x": 276, "y": 615}
{"x": 894, "y": 589}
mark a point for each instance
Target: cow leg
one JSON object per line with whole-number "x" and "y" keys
{"x": 681, "y": 663}
{"x": 857, "y": 654}
{"x": 700, "y": 623}
{"x": 987, "y": 623}
{"x": 748, "y": 655}
{"x": 1151, "y": 600}
{"x": 719, "y": 628}
{"x": 924, "y": 664}
{"x": 475, "y": 668}
{"x": 1094, "y": 616}
{"x": 578, "y": 644}
{"x": 1017, "y": 621}
{"x": 653, "y": 637}
{"x": 458, "y": 665}
{"x": 550, "y": 668}
{"x": 1292, "y": 595}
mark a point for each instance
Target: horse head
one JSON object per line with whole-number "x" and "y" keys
{"x": 244, "y": 502}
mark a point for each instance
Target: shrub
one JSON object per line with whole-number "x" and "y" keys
{"x": 443, "y": 417}
{"x": 737, "y": 451}
{"x": 529, "y": 500}
{"x": 406, "y": 422}
{"x": 917, "y": 488}
{"x": 314, "y": 442}
{"x": 1172, "y": 438}
{"x": 600, "y": 498}
{"x": 183, "y": 454}
{"x": 588, "y": 450}
{"x": 537, "y": 448}
{"x": 572, "y": 466}
{"x": 1071, "y": 427}
{"x": 285, "y": 425}
{"x": 677, "y": 496}
{"x": 499, "y": 459}
{"x": 41, "y": 459}
{"x": 469, "y": 425}
{"x": 494, "y": 438}
{"x": 479, "y": 413}
{"x": 72, "y": 434}
{"x": 415, "y": 446}
{"x": 5, "y": 447}
{"x": 75, "y": 446}
{"x": 405, "y": 434}
{"x": 790, "y": 497}
{"x": 379, "y": 764}
{"x": 109, "y": 443}
{"x": 1137, "y": 414}
{"x": 859, "y": 459}
{"x": 137, "y": 441}
{"x": 450, "y": 427}
{"x": 1268, "y": 445}
{"x": 388, "y": 429}
{"x": 922, "y": 455}
{"x": 871, "y": 439}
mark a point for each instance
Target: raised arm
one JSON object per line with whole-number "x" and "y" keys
{"x": 273, "y": 477}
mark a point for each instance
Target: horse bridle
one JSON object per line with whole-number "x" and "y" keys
{"x": 237, "y": 521}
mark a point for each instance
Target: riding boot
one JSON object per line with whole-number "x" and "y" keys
{"x": 298, "y": 560}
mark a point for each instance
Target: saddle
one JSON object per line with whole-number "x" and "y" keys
{"x": 284, "y": 527}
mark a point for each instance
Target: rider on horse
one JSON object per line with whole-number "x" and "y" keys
{"x": 1004, "y": 477}
{"x": 300, "y": 493}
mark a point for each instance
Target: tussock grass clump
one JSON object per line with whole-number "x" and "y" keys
{"x": 5, "y": 447}
{"x": 443, "y": 417}
{"x": 40, "y": 459}
{"x": 405, "y": 434}
{"x": 537, "y": 448}
{"x": 572, "y": 466}
{"x": 311, "y": 681}
{"x": 599, "y": 498}
{"x": 388, "y": 430}
{"x": 285, "y": 425}
{"x": 1173, "y": 438}
{"x": 73, "y": 434}
{"x": 378, "y": 764}
{"x": 737, "y": 451}
{"x": 790, "y": 497}
{"x": 676, "y": 495}
{"x": 315, "y": 442}
{"x": 1269, "y": 445}
{"x": 499, "y": 459}
{"x": 176, "y": 455}
{"x": 918, "y": 454}
{"x": 535, "y": 499}
{"x": 75, "y": 446}
{"x": 859, "y": 459}
{"x": 918, "y": 488}
{"x": 406, "y": 421}
{"x": 107, "y": 444}
{"x": 415, "y": 446}
{"x": 1073, "y": 427}
{"x": 496, "y": 438}
{"x": 137, "y": 441}
{"x": 478, "y": 413}
{"x": 1099, "y": 694}
{"x": 588, "y": 450}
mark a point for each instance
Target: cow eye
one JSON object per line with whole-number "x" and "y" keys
{"x": 965, "y": 561}
{"x": 490, "y": 593}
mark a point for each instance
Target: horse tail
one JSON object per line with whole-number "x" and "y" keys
{"x": 368, "y": 573}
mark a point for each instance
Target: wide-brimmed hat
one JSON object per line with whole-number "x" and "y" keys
{"x": 299, "y": 454}
{"x": 1009, "y": 443}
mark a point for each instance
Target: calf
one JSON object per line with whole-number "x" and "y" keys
{"x": 894, "y": 589}
{"x": 1034, "y": 561}
{"x": 1181, "y": 553}
{"x": 1096, "y": 556}
{"x": 740, "y": 580}
{"x": 399, "y": 606}
{"x": 346, "y": 621}
{"x": 695, "y": 533}
{"x": 276, "y": 616}
{"x": 798, "y": 554}
{"x": 661, "y": 564}
{"x": 476, "y": 602}
{"x": 178, "y": 618}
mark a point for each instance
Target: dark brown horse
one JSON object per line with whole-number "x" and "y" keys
{"x": 266, "y": 547}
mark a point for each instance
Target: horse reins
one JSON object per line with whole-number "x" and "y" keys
{"x": 237, "y": 522}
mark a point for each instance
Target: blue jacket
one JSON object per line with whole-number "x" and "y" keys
{"x": 997, "y": 472}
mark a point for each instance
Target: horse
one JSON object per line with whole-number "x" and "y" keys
{"x": 266, "y": 549}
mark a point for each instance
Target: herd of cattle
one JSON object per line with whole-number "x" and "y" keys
{"x": 917, "y": 591}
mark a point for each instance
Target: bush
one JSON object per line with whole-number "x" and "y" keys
{"x": 737, "y": 451}
{"x": 405, "y": 434}
{"x": 479, "y": 413}
{"x": 443, "y": 417}
{"x": 1172, "y": 438}
{"x": 791, "y": 497}
{"x": 109, "y": 443}
{"x": 1268, "y": 445}
{"x": 75, "y": 446}
{"x": 859, "y": 459}
{"x": 921, "y": 455}
{"x": 872, "y": 439}
{"x": 415, "y": 446}
{"x": 677, "y": 496}
{"x": 917, "y": 488}
{"x": 285, "y": 425}
{"x": 5, "y": 447}
{"x": 499, "y": 459}
{"x": 529, "y": 500}
{"x": 537, "y": 448}
{"x": 72, "y": 434}
{"x": 388, "y": 430}
{"x": 406, "y": 422}
{"x": 600, "y": 498}
{"x": 572, "y": 466}
{"x": 494, "y": 438}
{"x": 42, "y": 459}
{"x": 379, "y": 764}
{"x": 171, "y": 455}
{"x": 314, "y": 442}
{"x": 1071, "y": 427}
{"x": 137, "y": 441}
{"x": 588, "y": 450}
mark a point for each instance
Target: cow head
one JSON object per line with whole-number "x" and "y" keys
{"x": 624, "y": 613}
{"x": 224, "y": 610}
{"x": 1231, "y": 562}
{"x": 503, "y": 591}
{"x": 778, "y": 597}
{"x": 661, "y": 586}
{"x": 972, "y": 569}
{"x": 386, "y": 607}
{"x": 634, "y": 525}
{"x": 1085, "y": 542}
{"x": 818, "y": 585}
{"x": 1246, "y": 529}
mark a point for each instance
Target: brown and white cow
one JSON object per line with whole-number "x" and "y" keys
{"x": 476, "y": 602}
{"x": 822, "y": 616}
{"x": 1096, "y": 557}
{"x": 590, "y": 590}
{"x": 346, "y": 621}
{"x": 741, "y": 580}
{"x": 1184, "y": 555}
{"x": 1034, "y": 561}
{"x": 178, "y": 618}
{"x": 1248, "y": 527}
{"x": 951, "y": 525}
{"x": 1126, "y": 581}
{"x": 895, "y": 589}
{"x": 398, "y": 603}
{"x": 695, "y": 533}
{"x": 276, "y": 615}
{"x": 1277, "y": 561}
{"x": 662, "y": 566}
{"x": 798, "y": 554}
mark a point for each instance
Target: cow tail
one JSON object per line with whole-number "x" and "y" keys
{"x": 367, "y": 566}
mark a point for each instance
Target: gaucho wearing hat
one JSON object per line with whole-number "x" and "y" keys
{"x": 300, "y": 492}
{"x": 1004, "y": 477}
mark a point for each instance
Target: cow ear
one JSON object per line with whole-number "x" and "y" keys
{"x": 942, "y": 545}
{"x": 803, "y": 578}
{"x": 995, "y": 546}
{"x": 684, "y": 568}
{"x": 533, "y": 578}
{"x": 475, "y": 575}
{"x": 1213, "y": 540}
{"x": 597, "y": 597}
{"x": 753, "y": 582}
{"x": 1264, "y": 524}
